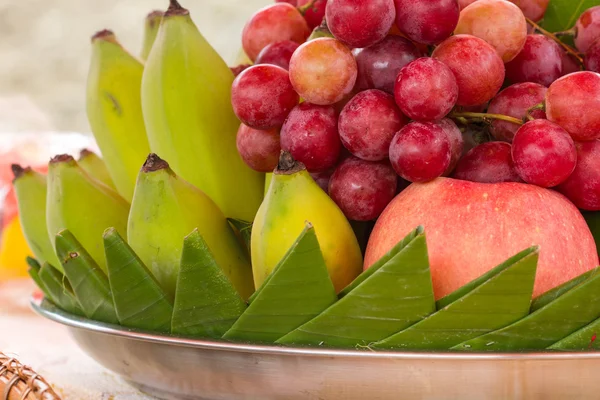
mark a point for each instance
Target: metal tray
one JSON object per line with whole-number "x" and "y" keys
{"x": 169, "y": 367}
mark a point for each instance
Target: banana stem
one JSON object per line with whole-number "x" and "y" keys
{"x": 552, "y": 36}
{"x": 485, "y": 117}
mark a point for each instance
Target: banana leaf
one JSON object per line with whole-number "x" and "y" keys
{"x": 298, "y": 290}
{"x": 90, "y": 284}
{"x": 34, "y": 274}
{"x": 139, "y": 300}
{"x": 553, "y": 294}
{"x": 501, "y": 300}
{"x": 206, "y": 303}
{"x": 584, "y": 339}
{"x": 393, "y": 297}
{"x": 547, "y": 325}
{"x": 59, "y": 290}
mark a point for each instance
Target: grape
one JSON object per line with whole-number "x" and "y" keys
{"x": 587, "y": 29}
{"x": 239, "y": 69}
{"x": 272, "y": 24}
{"x": 569, "y": 63}
{"x": 310, "y": 134}
{"x": 278, "y": 54}
{"x": 322, "y": 178}
{"x": 428, "y": 22}
{"x": 259, "y": 149}
{"x": 583, "y": 186}
{"x": 544, "y": 153}
{"x": 489, "y": 162}
{"x": 533, "y": 9}
{"x": 498, "y": 22}
{"x": 379, "y": 65}
{"x": 515, "y": 101}
{"x": 477, "y": 67}
{"x": 462, "y": 4}
{"x": 420, "y": 152}
{"x": 323, "y": 71}
{"x": 315, "y": 14}
{"x": 368, "y": 123}
{"x": 573, "y": 102}
{"x": 592, "y": 57}
{"x": 540, "y": 61}
{"x": 262, "y": 96}
{"x": 426, "y": 90}
{"x": 456, "y": 140}
{"x": 363, "y": 189}
{"x": 360, "y": 23}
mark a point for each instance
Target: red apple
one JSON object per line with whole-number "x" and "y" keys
{"x": 472, "y": 227}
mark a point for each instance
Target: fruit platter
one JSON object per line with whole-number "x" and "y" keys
{"x": 378, "y": 197}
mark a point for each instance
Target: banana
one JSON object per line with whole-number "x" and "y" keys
{"x": 30, "y": 190}
{"x": 151, "y": 26}
{"x": 114, "y": 110}
{"x": 293, "y": 199}
{"x": 95, "y": 167}
{"x": 190, "y": 121}
{"x": 165, "y": 209}
{"x": 84, "y": 206}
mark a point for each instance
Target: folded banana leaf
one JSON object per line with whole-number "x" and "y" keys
{"x": 553, "y": 294}
{"x": 584, "y": 339}
{"x": 501, "y": 300}
{"x": 396, "y": 295}
{"x": 34, "y": 274}
{"x": 139, "y": 300}
{"x": 547, "y": 325}
{"x": 59, "y": 290}
{"x": 298, "y": 290}
{"x": 90, "y": 284}
{"x": 206, "y": 303}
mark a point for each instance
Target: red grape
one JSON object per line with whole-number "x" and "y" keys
{"x": 489, "y": 162}
{"x": 540, "y": 61}
{"x": 533, "y": 9}
{"x": 259, "y": 149}
{"x": 498, "y": 22}
{"x": 272, "y": 24}
{"x": 360, "y": 23}
{"x": 362, "y": 189}
{"x": 239, "y": 69}
{"x": 515, "y": 101}
{"x": 476, "y": 65}
{"x": 323, "y": 71}
{"x": 462, "y": 4}
{"x": 583, "y": 186}
{"x": 310, "y": 134}
{"x": 569, "y": 63}
{"x": 587, "y": 29}
{"x": 379, "y": 65}
{"x": 368, "y": 123}
{"x": 592, "y": 57}
{"x": 278, "y": 54}
{"x": 315, "y": 14}
{"x": 544, "y": 153}
{"x": 573, "y": 102}
{"x": 428, "y": 22}
{"x": 457, "y": 143}
{"x": 426, "y": 90}
{"x": 421, "y": 152}
{"x": 322, "y": 178}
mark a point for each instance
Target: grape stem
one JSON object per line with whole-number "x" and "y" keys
{"x": 540, "y": 106}
{"x": 303, "y": 9}
{"x": 552, "y": 36}
{"x": 485, "y": 117}
{"x": 571, "y": 32}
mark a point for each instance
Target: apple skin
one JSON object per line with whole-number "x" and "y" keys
{"x": 472, "y": 227}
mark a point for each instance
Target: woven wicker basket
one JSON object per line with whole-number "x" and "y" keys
{"x": 19, "y": 382}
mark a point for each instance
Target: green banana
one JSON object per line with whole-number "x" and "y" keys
{"x": 151, "y": 26}
{"x": 30, "y": 189}
{"x": 95, "y": 167}
{"x": 114, "y": 110}
{"x": 165, "y": 209}
{"x": 190, "y": 121}
{"x": 84, "y": 206}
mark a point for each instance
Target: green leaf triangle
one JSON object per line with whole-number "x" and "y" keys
{"x": 139, "y": 300}
{"x": 552, "y": 294}
{"x": 587, "y": 338}
{"x": 58, "y": 289}
{"x": 206, "y": 303}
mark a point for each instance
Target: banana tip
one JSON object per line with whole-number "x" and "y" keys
{"x": 154, "y": 163}
{"x": 61, "y": 158}
{"x": 18, "y": 171}
{"x": 154, "y": 17}
{"x": 106, "y": 35}
{"x": 288, "y": 165}
{"x": 175, "y": 9}
{"x": 85, "y": 153}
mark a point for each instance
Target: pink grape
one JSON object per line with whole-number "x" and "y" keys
{"x": 322, "y": 178}
{"x": 592, "y": 57}
{"x": 315, "y": 14}
{"x": 259, "y": 149}
{"x": 379, "y": 65}
{"x": 498, "y": 22}
{"x": 272, "y": 24}
{"x": 515, "y": 101}
{"x": 368, "y": 123}
{"x": 569, "y": 63}
{"x": 278, "y": 54}
{"x": 360, "y": 23}
{"x": 587, "y": 29}
{"x": 239, "y": 69}
{"x": 533, "y": 9}
{"x": 478, "y": 69}
{"x": 310, "y": 134}
{"x": 573, "y": 102}
{"x": 583, "y": 186}
{"x": 323, "y": 71}
{"x": 428, "y": 22}
{"x": 462, "y": 4}
{"x": 489, "y": 162}
{"x": 421, "y": 152}
{"x": 540, "y": 61}
{"x": 544, "y": 153}
{"x": 457, "y": 143}
{"x": 426, "y": 90}
{"x": 262, "y": 96}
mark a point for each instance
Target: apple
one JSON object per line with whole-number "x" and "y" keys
{"x": 472, "y": 227}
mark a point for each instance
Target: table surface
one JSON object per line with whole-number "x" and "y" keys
{"x": 48, "y": 348}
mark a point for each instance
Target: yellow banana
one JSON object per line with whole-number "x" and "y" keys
{"x": 293, "y": 199}
{"x": 151, "y": 26}
{"x": 84, "y": 206}
{"x": 114, "y": 110}
{"x": 186, "y": 101}
{"x": 165, "y": 209}
{"x": 95, "y": 167}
